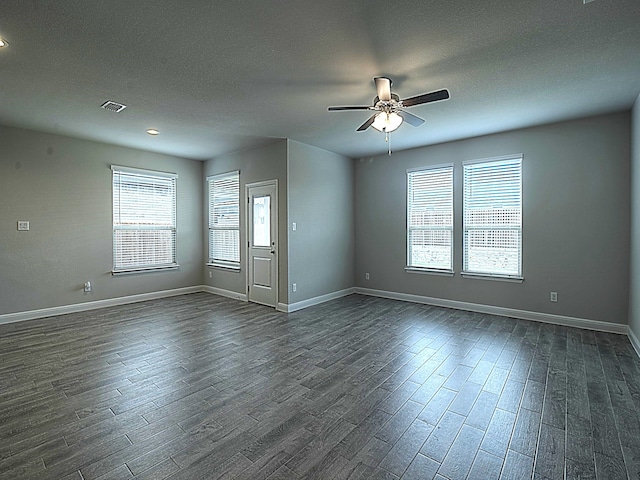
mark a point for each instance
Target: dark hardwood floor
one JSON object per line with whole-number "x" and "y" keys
{"x": 201, "y": 386}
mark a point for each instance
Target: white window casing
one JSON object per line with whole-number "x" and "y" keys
{"x": 430, "y": 219}
{"x": 492, "y": 217}
{"x": 224, "y": 220}
{"x": 144, "y": 220}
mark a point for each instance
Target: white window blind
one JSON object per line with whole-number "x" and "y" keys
{"x": 224, "y": 219}
{"x": 144, "y": 220}
{"x": 430, "y": 218}
{"x": 492, "y": 217}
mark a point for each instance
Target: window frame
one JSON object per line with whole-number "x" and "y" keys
{"x": 220, "y": 262}
{"x": 488, "y": 274}
{"x": 449, "y": 168}
{"x": 119, "y": 173}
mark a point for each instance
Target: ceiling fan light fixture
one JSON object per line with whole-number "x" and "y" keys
{"x": 387, "y": 122}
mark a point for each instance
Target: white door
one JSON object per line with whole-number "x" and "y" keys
{"x": 262, "y": 231}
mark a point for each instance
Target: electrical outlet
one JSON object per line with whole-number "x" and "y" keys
{"x": 294, "y": 287}
{"x": 294, "y": 226}
{"x": 23, "y": 225}
{"x": 553, "y": 297}
{"x": 87, "y": 287}
{"x": 366, "y": 276}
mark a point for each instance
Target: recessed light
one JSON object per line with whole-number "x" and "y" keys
{"x": 3, "y": 43}
{"x": 153, "y": 131}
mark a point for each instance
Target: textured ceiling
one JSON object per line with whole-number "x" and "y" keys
{"x": 218, "y": 76}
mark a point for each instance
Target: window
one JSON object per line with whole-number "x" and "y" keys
{"x": 144, "y": 220}
{"x": 430, "y": 219}
{"x": 492, "y": 217}
{"x": 224, "y": 220}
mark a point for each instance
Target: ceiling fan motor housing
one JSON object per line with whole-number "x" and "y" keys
{"x": 392, "y": 106}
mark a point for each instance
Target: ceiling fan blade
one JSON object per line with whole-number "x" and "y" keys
{"x": 337, "y": 109}
{"x": 383, "y": 87}
{"x": 366, "y": 124}
{"x": 411, "y": 119}
{"x": 426, "y": 98}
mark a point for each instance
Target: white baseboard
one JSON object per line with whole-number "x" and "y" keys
{"x": 634, "y": 341}
{"x": 501, "y": 311}
{"x": 225, "y": 293}
{"x": 288, "y": 308}
{"x": 292, "y": 307}
{"x": 86, "y": 306}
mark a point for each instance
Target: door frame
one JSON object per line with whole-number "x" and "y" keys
{"x": 275, "y": 224}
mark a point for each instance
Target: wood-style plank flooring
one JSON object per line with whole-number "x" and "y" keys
{"x": 200, "y": 386}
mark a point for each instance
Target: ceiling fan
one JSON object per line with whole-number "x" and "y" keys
{"x": 390, "y": 110}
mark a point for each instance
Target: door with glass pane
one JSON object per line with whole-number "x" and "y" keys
{"x": 262, "y": 258}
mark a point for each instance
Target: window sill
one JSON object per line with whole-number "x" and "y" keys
{"x": 133, "y": 271}
{"x": 499, "y": 278}
{"x": 224, "y": 266}
{"x": 429, "y": 271}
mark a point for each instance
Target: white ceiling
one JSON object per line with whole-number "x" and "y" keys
{"x": 224, "y": 75}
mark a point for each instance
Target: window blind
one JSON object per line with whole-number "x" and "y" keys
{"x": 144, "y": 220}
{"x": 224, "y": 219}
{"x": 430, "y": 218}
{"x": 492, "y": 217}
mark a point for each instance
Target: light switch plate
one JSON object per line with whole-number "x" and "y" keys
{"x": 23, "y": 225}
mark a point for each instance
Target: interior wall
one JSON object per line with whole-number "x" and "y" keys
{"x": 256, "y": 165}
{"x": 62, "y": 186}
{"x": 634, "y": 287}
{"x": 576, "y": 220}
{"x": 321, "y": 195}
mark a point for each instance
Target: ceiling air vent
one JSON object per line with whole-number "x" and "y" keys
{"x": 113, "y": 106}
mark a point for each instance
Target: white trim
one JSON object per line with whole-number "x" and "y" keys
{"x": 431, "y": 167}
{"x": 493, "y": 276}
{"x": 288, "y": 308}
{"x": 142, "y": 171}
{"x": 501, "y": 311}
{"x": 133, "y": 271}
{"x": 635, "y": 343}
{"x": 262, "y": 183}
{"x": 248, "y": 216}
{"x": 494, "y": 159}
{"x": 225, "y": 266}
{"x": 429, "y": 271}
{"x": 219, "y": 176}
{"x": 85, "y": 306}
{"x": 225, "y": 293}
{"x": 292, "y": 307}
{"x": 209, "y": 185}
{"x": 426, "y": 228}
{"x": 466, "y": 229}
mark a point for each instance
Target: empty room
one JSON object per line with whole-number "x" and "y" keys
{"x": 320, "y": 240}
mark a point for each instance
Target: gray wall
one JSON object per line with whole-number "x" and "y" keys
{"x": 577, "y": 219}
{"x": 576, "y": 224}
{"x": 264, "y": 163}
{"x": 321, "y": 195}
{"x": 634, "y": 287}
{"x": 63, "y": 187}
